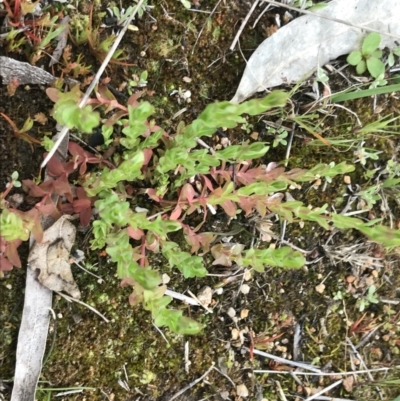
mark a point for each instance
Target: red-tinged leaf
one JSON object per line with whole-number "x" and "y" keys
{"x": 81, "y": 205}
{"x": 133, "y": 99}
{"x": 3, "y": 244}
{"x": 191, "y": 238}
{"x": 48, "y": 186}
{"x": 206, "y": 240}
{"x": 37, "y": 232}
{"x": 127, "y": 282}
{"x": 67, "y": 208}
{"x": 55, "y": 167}
{"x": 62, "y": 187}
{"x": 191, "y": 209}
{"x": 84, "y": 216}
{"x": 5, "y": 265}
{"x": 135, "y": 233}
{"x": 295, "y": 173}
{"x": 53, "y": 94}
{"x": 114, "y": 105}
{"x": 176, "y": 213}
{"x": 103, "y": 93}
{"x": 225, "y": 174}
{"x": 81, "y": 193}
{"x": 46, "y": 209}
{"x": 135, "y": 298}
{"x": 12, "y": 253}
{"x": 269, "y": 176}
{"x": 229, "y": 208}
{"x": 148, "y": 154}
{"x": 83, "y": 167}
{"x": 187, "y": 193}
{"x": 152, "y": 193}
{"x": 246, "y": 204}
{"x": 208, "y": 183}
{"x": 115, "y": 117}
{"x": 35, "y": 190}
{"x": 249, "y": 176}
{"x": 261, "y": 208}
{"x": 217, "y": 193}
{"x": 76, "y": 150}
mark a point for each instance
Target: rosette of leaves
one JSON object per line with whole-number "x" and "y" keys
{"x": 369, "y": 57}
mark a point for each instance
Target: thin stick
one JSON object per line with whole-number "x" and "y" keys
{"x": 325, "y": 390}
{"x": 325, "y": 398}
{"x": 70, "y": 299}
{"x": 192, "y": 384}
{"x": 200, "y": 303}
{"x": 96, "y": 79}
{"x": 181, "y": 297}
{"x": 356, "y": 372}
{"x": 289, "y": 145}
{"x": 286, "y": 361}
{"x": 162, "y": 334}
{"x": 261, "y": 14}
{"x": 280, "y": 391}
{"x": 244, "y": 22}
{"x": 340, "y": 21}
{"x": 223, "y": 374}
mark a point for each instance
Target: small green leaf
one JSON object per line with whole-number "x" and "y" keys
{"x": 390, "y": 60}
{"x": 361, "y": 67}
{"x": 354, "y": 57}
{"x": 370, "y": 43}
{"x": 377, "y": 53}
{"x": 47, "y": 143}
{"x": 375, "y": 67}
{"x": 28, "y": 124}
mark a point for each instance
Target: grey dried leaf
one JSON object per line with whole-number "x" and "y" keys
{"x": 61, "y": 42}
{"x": 51, "y": 257}
{"x": 296, "y": 50}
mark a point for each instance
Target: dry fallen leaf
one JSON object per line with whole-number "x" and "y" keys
{"x": 242, "y": 391}
{"x": 348, "y": 383}
{"x": 244, "y": 313}
{"x": 40, "y": 118}
{"x": 51, "y": 257}
{"x": 205, "y": 296}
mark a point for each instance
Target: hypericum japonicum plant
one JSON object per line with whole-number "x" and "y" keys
{"x": 182, "y": 179}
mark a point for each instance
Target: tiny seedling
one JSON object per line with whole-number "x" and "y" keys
{"x": 280, "y": 136}
{"x": 369, "y": 57}
{"x": 369, "y": 298}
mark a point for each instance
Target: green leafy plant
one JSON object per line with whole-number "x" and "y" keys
{"x": 181, "y": 179}
{"x": 369, "y": 57}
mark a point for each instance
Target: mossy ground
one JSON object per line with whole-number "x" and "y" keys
{"x": 85, "y": 351}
